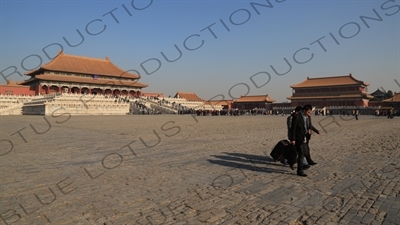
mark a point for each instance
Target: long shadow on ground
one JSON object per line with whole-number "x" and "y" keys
{"x": 248, "y": 161}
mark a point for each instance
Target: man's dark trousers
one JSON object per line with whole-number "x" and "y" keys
{"x": 300, "y": 149}
{"x": 306, "y": 152}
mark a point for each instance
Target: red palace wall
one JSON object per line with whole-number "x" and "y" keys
{"x": 16, "y": 90}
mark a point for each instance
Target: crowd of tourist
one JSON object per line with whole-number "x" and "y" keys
{"x": 139, "y": 103}
{"x": 144, "y": 110}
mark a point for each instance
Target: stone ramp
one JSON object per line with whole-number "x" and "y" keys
{"x": 14, "y": 109}
{"x": 12, "y": 104}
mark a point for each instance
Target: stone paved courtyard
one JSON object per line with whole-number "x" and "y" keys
{"x": 182, "y": 169}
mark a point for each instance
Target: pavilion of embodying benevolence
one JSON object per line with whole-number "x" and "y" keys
{"x": 83, "y": 75}
{"x": 331, "y": 91}
{"x": 253, "y": 102}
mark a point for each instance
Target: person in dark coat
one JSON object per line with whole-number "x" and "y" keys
{"x": 292, "y": 160}
{"x": 311, "y": 129}
{"x": 298, "y": 138}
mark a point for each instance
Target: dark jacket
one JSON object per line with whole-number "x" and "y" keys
{"x": 297, "y": 131}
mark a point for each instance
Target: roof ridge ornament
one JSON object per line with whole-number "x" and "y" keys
{"x": 60, "y": 52}
{"x": 107, "y": 58}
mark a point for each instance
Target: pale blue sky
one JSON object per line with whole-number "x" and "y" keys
{"x": 146, "y": 28}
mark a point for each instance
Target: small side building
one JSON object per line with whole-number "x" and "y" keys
{"x": 222, "y": 104}
{"x": 189, "y": 96}
{"x": 250, "y": 102}
{"x": 153, "y": 94}
{"x": 393, "y": 102}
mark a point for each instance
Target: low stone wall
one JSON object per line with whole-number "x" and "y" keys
{"x": 12, "y": 104}
{"x": 75, "y": 105}
{"x": 54, "y": 108}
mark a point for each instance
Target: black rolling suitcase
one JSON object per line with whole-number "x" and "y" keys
{"x": 279, "y": 149}
{"x": 290, "y": 154}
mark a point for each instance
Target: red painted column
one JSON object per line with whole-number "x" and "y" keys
{"x": 39, "y": 90}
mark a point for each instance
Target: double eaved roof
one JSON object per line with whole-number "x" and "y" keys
{"x": 85, "y": 80}
{"x": 83, "y": 65}
{"x": 323, "y": 97}
{"x": 329, "y": 81}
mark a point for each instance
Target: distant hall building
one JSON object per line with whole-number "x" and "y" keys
{"x": 330, "y": 91}
{"x": 190, "y": 96}
{"x": 250, "y": 102}
{"x": 393, "y": 102}
{"x": 83, "y": 75}
{"x": 225, "y": 104}
{"x": 152, "y": 94}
